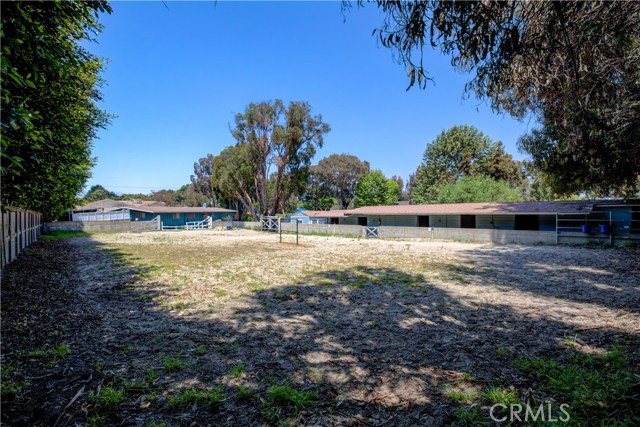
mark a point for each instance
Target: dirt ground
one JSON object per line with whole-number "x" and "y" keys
{"x": 376, "y": 330}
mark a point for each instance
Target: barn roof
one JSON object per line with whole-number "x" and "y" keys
{"x": 578, "y": 206}
{"x": 336, "y": 213}
{"x": 109, "y": 204}
{"x": 176, "y": 209}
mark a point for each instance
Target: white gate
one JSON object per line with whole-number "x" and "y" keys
{"x": 270, "y": 223}
{"x": 199, "y": 225}
{"x": 371, "y": 232}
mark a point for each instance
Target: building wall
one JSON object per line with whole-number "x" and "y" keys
{"x": 444, "y": 221}
{"x": 547, "y": 223}
{"x": 304, "y": 219}
{"x": 496, "y": 222}
{"x": 178, "y": 219}
{"x": 385, "y": 220}
{"x": 470, "y": 234}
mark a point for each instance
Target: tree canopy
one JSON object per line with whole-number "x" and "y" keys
{"x": 50, "y": 90}
{"x": 269, "y": 164}
{"x": 459, "y": 152}
{"x": 479, "y": 188}
{"x": 574, "y": 65}
{"x": 374, "y": 189}
{"x": 335, "y": 177}
{"x": 98, "y": 192}
{"x": 201, "y": 178}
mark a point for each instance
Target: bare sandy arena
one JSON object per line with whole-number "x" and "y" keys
{"x": 377, "y": 330}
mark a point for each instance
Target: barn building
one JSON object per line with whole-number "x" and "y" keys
{"x": 599, "y": 219}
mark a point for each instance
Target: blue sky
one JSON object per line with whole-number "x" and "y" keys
{"x": 179, "y": 71}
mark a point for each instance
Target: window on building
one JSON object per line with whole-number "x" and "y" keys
{"x": 176, "y": 216}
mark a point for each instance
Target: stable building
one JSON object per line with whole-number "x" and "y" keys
{"x": 578, "y": 221}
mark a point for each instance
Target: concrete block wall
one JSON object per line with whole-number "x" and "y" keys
{"x": 329, "y": 229}
{"x": 115, "y": 226}
{"x": 470, "y": 234}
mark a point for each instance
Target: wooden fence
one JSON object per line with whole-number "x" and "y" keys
{"x": 20, "y": 228}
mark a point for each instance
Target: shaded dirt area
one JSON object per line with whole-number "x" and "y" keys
{"x": 374, "y": 332}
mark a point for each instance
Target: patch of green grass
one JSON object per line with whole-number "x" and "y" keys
{"x": 571, "y": 342}
{"x": 499, "y": 395}
{"x": 285, "y": 399}
{"x": 55, "y": 352}
{"x": 244, "y": 393}
{"x": 57, "y": 235}
{"x": 152, "y": 376}
{"x": 237, "y": 370}
{"x": 107, "y": 397}
{"x": 192, "y": 396}
{"x": 60, "y": 351}
{"x": 173, "y": 364}
{"x": 200, "y": 350}
{"x": 502, "y": 352}
{"x": 468, "y": 417}
{"x": 596, "y": 387}
{"x": 143, "y": 385}
{"x": 220, "y": 293}
{"x": 95, "y": 421}
{"x": 466, "y": 396}
{"x": 10, "y": 384}
{"x": 466, "y": 376}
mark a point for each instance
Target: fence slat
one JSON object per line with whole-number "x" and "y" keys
{"x": 20, "y": 229}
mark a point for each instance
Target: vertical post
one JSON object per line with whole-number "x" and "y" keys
{"x": 296, "y": 232}
{"x": 280, "y": 229}
{"x": 610, "y": 231}
{"x": 557, "y": 240}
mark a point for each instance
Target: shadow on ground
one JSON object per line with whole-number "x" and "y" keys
{"x": 374, "y": 346}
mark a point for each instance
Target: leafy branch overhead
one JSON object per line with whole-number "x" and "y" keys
{"x": 574, "y": 65}
{"x": 50, "y": 90}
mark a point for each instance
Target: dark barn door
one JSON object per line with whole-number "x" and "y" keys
{"x": 362, "y": 220}
{"x": 527, "y": 222}
{"x": 467, "y": 221}
{"x": 423, "y": 221}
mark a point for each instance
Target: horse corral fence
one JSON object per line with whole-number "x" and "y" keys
{"x": 20, "y": 228}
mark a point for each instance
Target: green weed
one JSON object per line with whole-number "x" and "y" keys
{"x": 107, "y": 397}
{"x": 237, "y": 370}
{"x": 95, "y": 421}
{"x": 173, "y": 364}
{"x": 57, "y": 235}
{"x": 502, "y": 352}
{"x": 10, "y": 385}
{"x": 468, "y": 417}
{"x": 244, "y": 393}
{"x": 284, "y": 399}
{"x": 192, "y": 396}
{"x": 498, "y": 395}
{"x": 595, "y": 387}
{"x": 38, "y": 354}
{"x": 465, "y": 396}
